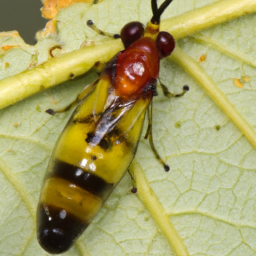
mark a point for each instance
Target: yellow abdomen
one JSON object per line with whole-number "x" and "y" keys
{"x": 91, "y": 156}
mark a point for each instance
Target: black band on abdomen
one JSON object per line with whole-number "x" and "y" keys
{"x": 79, "y": 177}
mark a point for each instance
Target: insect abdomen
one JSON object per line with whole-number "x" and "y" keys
{"x": 70, "y": 199}
{"x": 86, "y": 166}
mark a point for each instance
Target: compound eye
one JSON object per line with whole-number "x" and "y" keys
{"x": 131, "y": 32}
{"x": 165, "y": 44}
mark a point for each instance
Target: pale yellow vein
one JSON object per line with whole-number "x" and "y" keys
{"x": 151, "y": 202}
{"x": 25, "y": 196}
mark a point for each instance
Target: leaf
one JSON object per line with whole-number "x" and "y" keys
{"x": 209, "y": 193}
{"x": 51, "y": 7}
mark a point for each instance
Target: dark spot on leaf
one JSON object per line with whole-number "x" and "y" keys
{"x": 134, "y": 190}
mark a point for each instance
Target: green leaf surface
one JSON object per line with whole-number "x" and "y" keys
{"x": 208, "y": 195}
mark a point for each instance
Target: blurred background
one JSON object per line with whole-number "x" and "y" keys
{"x": 22, "y": 15}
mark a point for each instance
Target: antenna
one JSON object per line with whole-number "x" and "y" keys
{"x": 157, "y": 12}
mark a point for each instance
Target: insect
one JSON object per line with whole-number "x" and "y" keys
{"x": 100, "y": 140}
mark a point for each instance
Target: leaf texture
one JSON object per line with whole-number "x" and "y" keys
{"x": 209, "y": 195}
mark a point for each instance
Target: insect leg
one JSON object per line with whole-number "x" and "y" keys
{"x": 92, "y": 26}
{"x": 149, "y": 135}
{"x": 169, "y": 94}
{"x": 99, "y": 66}
{"x": 79, "y": 97}
{"x": 149, "y": 124}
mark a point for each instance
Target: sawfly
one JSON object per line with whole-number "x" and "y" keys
{"x": 100, "y": 140}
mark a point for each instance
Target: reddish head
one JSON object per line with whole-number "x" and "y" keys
{"x": 137, "y": 67}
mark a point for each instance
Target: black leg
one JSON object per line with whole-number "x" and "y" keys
{"x": 169, "y": 94}
{"x": 80, "y": 97}
{"x": 149, "y": 135}
{"x": 93, "y": 27}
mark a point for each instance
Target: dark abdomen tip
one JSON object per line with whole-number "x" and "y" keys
{"x": 57, "y": 230}
{"x": 54, "y": 240}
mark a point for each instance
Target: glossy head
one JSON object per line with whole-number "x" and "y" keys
{"x": 165, "y": 44}
{"x": 131, "y": 32}
{"x": 164, "y": 41}
{"x": 134, "y": 30}
{"x": 137, "y": 67}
